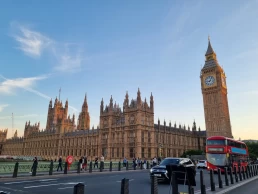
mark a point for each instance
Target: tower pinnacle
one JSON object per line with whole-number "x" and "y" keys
{"x": 209, "y": 49}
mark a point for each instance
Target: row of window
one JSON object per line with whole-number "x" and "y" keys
{"x": 226, "y": 142}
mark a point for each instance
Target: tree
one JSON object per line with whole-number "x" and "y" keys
{"x": 192, "y": 152}
{"x": 253, "y": 150}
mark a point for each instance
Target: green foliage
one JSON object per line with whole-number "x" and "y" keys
{"x": 192, "y": 152}
{"x": 252, "y": 149}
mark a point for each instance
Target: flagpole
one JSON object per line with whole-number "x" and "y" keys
{"x": 59, "y": 93}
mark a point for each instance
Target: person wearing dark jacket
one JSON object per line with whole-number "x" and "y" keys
{"x": 35, "y": 164}
{"x": 59, "y": 164}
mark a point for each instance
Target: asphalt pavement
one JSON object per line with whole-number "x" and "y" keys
{"x": 250, "y": 188}
{"x": 98, "y": 183}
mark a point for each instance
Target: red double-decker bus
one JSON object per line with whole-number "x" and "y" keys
{"x": 224, "y": 152}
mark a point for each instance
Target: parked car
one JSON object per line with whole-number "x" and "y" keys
{"x": 201, "y": 164}
{"x": 160, "y": 171}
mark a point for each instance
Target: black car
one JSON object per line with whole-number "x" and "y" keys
{"x": 160, "y": 171}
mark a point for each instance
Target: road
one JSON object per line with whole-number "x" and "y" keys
{"x": 98, "y": 183}
{"x": 250, "y": 188}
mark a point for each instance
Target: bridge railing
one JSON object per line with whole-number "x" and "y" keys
{"x": 15, "y": 169}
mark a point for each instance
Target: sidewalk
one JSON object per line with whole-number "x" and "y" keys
{"x": 39, "y": 175}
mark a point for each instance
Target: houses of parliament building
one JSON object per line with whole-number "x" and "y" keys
{"x": 127, "y": 131}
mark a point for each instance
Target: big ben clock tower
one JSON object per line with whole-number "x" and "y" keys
{"x": 214, "y": 91}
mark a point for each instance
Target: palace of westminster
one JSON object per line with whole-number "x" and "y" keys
{"x": 127, "y": 131}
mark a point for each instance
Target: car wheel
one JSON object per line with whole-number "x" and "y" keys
{"x": 198, "y": 167}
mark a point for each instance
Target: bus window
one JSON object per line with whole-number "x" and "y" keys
{"x": 216, "y": 142}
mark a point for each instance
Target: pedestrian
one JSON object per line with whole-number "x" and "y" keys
{"x": 102, "y": 161}
{"x": 144, "y": 163}
{"x": 85, "y": 163}
{"x": 59, "y": 164}
{"x": 34, "y": 165}
{"x": 96, "y": 162}
{"x": 80, "y": 161}
{"x": 124, "y": 162}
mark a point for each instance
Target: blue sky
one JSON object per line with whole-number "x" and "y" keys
{"x": 106, "y": 48}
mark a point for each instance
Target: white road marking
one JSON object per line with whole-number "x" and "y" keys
{"x": 43, "y": 180}
{"x": 36, "y": 186}
{"x": 129, "y": 180}
{"x": 69, "y": 187}
{"x": 66, "y": 188}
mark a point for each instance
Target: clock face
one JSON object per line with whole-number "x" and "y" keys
{"x": 209, "y": 80}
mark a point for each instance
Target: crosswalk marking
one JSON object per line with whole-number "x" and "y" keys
{"x": 42, "y": 180}
{"x": 129, "y": 180}
{"x": 66, "y": 188}
{"x": 36, "y": 186}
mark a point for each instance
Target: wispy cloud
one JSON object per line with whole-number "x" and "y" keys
{"x": 19, "y": 116}
{"x": 31, "y": 42}
{"x": 2, "y": 106}
{"x": 67, "y": 57}
{"x": 8, "y": 86}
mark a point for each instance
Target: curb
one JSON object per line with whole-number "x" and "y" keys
{"x": 65, "y": 175}
{"x": 231, "y": 187}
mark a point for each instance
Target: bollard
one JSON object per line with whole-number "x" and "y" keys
{"x": 251, "y": 171}
{"x": 78, "y": 188}
{"x": 110, "y": 166}
{"x": 226, "y": 176}
{"x": 231, "y": 175}
{"x": 243, "y": 172}
{"x": 212, "y": 181}
{"x": 65, "y": 168}
{"x": 90, "y": 169}
{"x": 15, "y": 171}
{"x": 51, "y": 168}
{"x": 154, "y": 185}
{"x": 235, "y": 171}
{"x": 148, "y": 165}
{"x": 246, "y": 172}
{"x": 190, "y": 189}
{"x": 219, "y": 179}
{"x": 34, "y": 169}
{"x": 124, "y": 186}
{"x": 78, "y": 167}
{"x": 174, "y": 183}
{"x": 202, "y": 185}
{"x": 141, "y": 165}
{"x": 101, "y": 166}
{"x": 239, "y": 173}
{"x": 127, "y": 166}
{"x": 119, "y": 166}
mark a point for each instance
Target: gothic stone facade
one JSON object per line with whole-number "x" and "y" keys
{"x": 122, "y": 132}
{"x": 214, "y": 91}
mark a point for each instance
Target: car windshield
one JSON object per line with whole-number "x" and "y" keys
{"x": 201, "y": 161}
{"x": 217, "y": 159}
{"x": 169, "y": 161}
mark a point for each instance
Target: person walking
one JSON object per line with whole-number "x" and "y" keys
{"x": 59, "y": 164}
{"x": 35, "y": 164}
{"x": 96, "y": 162}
